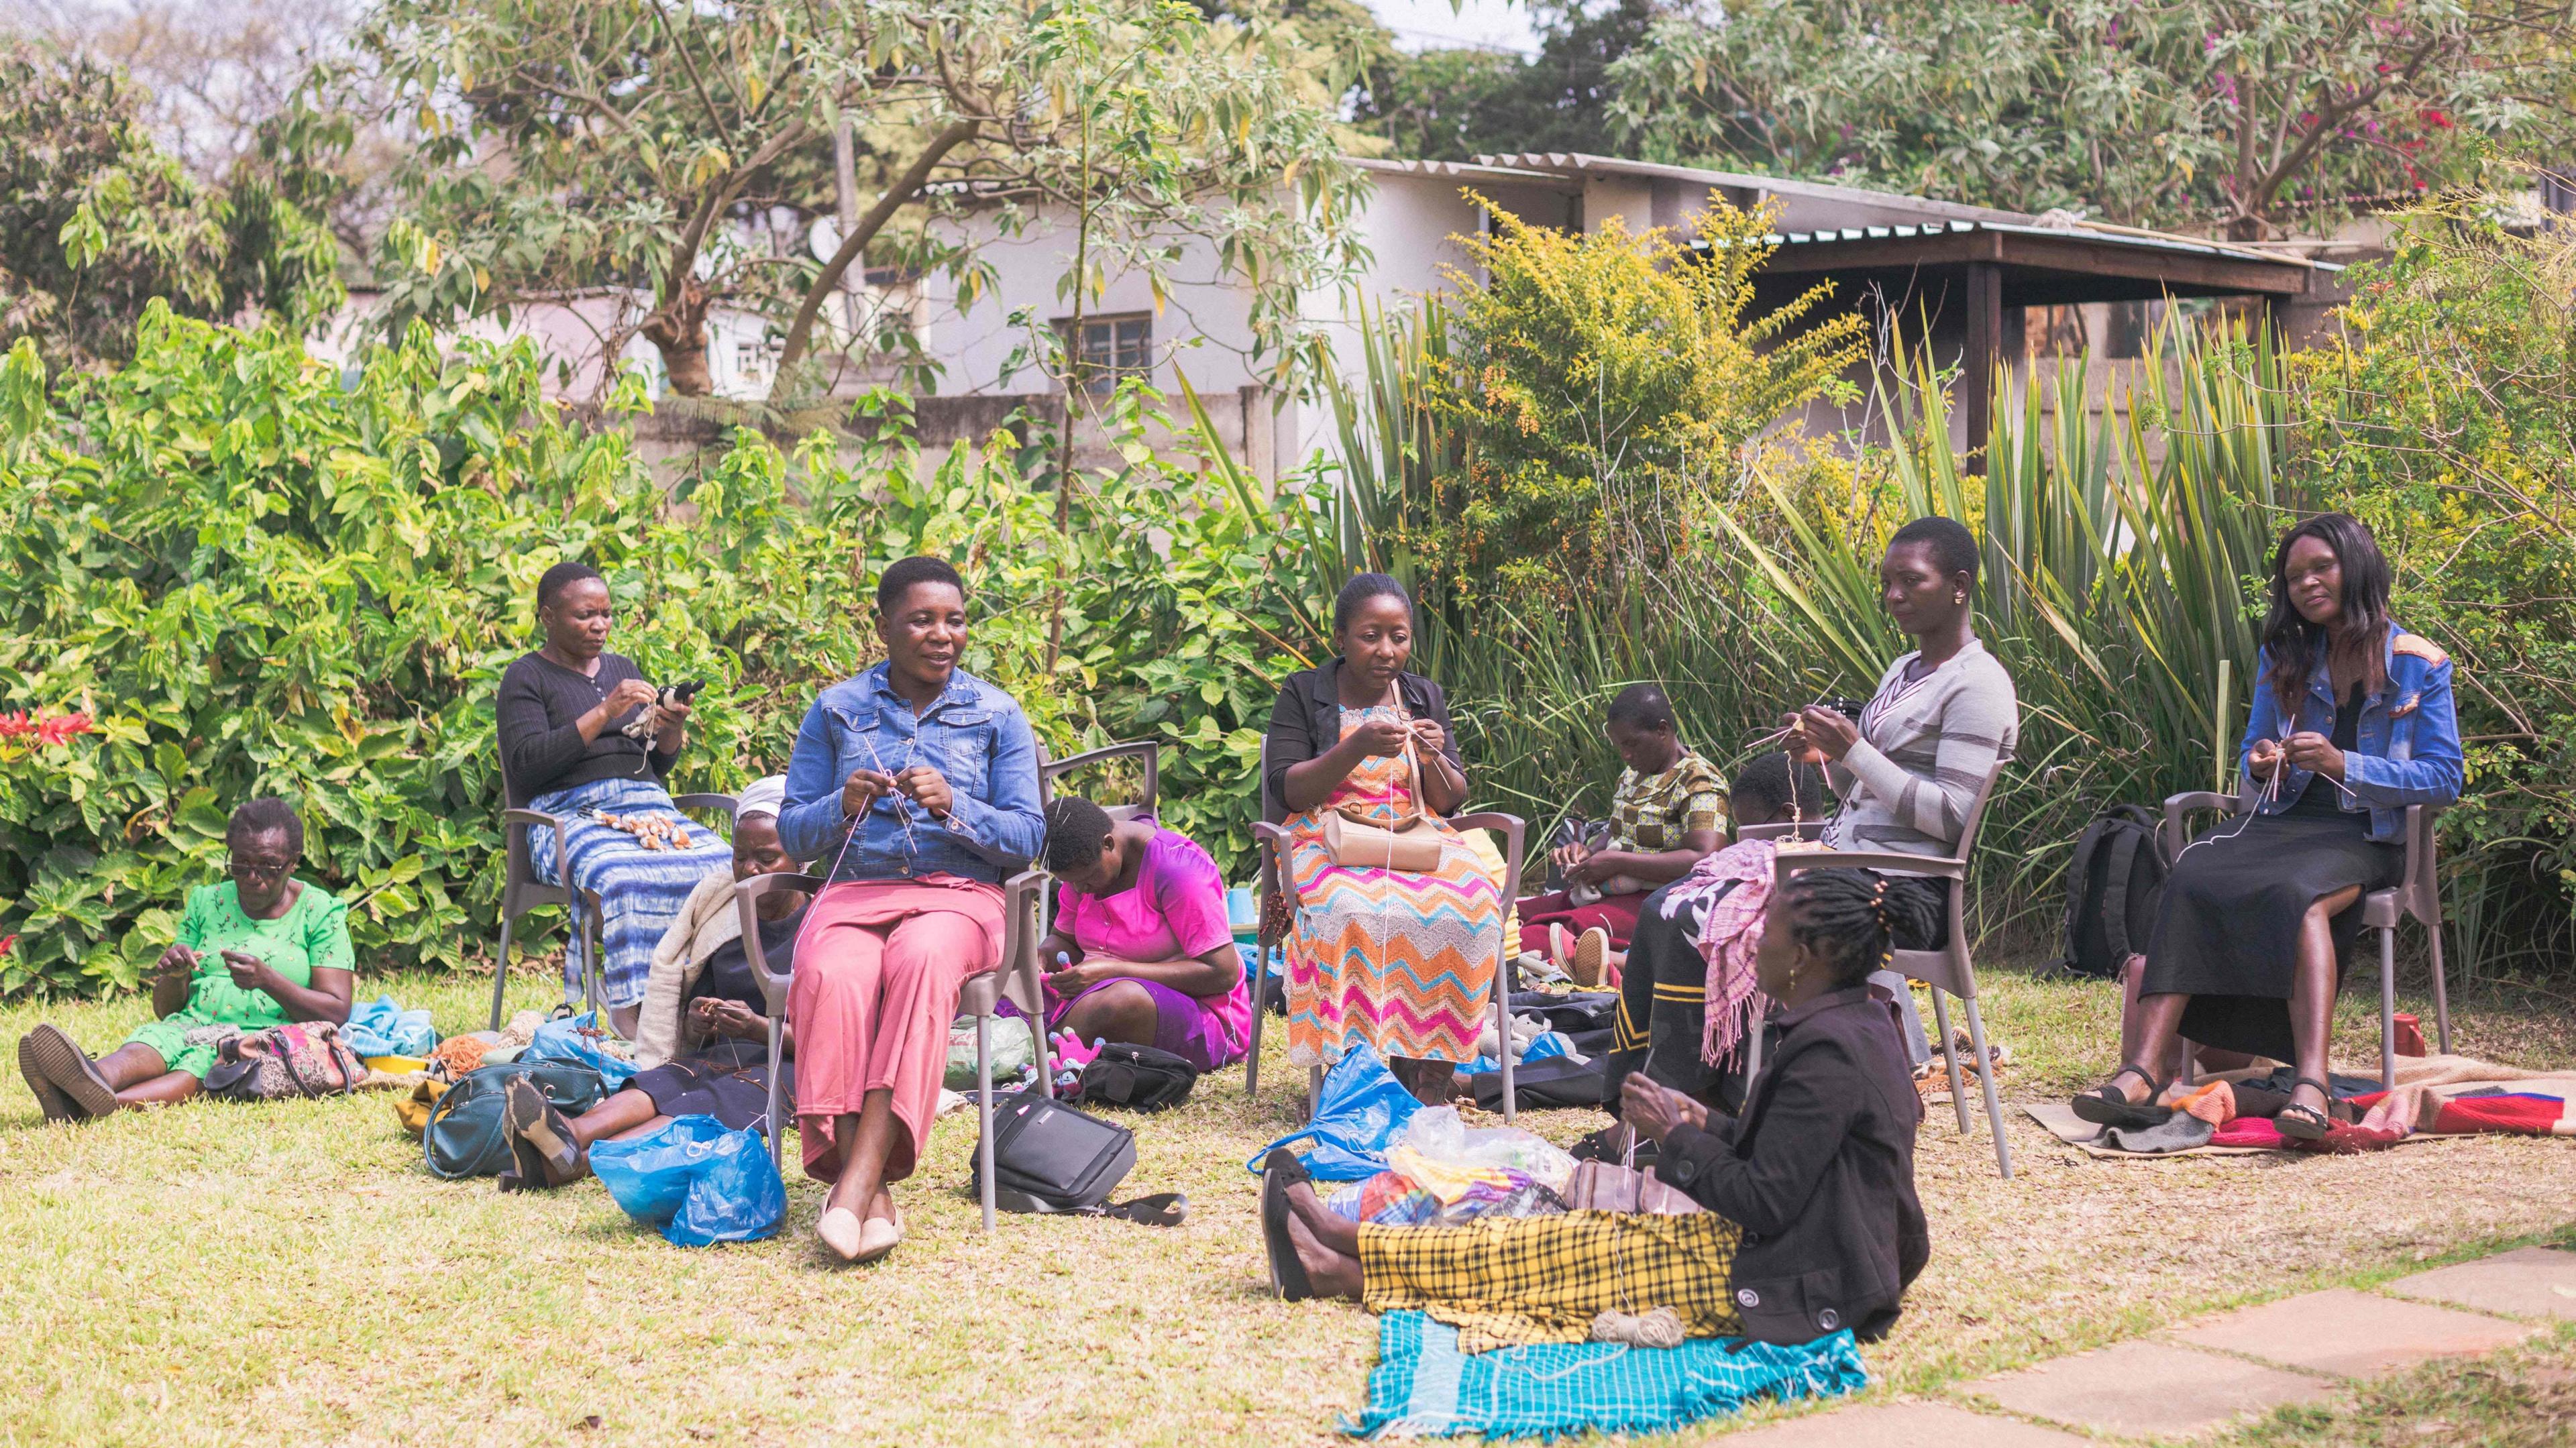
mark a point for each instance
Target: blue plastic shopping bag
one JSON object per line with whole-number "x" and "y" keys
{"x": 383, "y": 1028}
{"x": 1358, "y": 1115}
{"x": 698, "y": 1182}
{"x": 564, "y": 1041}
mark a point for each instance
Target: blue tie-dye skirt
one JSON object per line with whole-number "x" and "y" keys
{"x": 640, "y": 891}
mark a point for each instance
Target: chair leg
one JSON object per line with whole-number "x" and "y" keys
{"x": 777, "y": 1128}
{"x": 1958, "y": 1087}
{"x": 501, "y": 970}
{"x": 1503, "y": 1048}
{"x": 591, "y": 964}
{"x": 1260, "y": 1010}
{"x": 1986, "y": 1075}
{"x": 984, "y": 1111}
{"x": 2388, "y": 1008}
{"x": 2441, "y": 990}
{"x": 1314, "y": 1089}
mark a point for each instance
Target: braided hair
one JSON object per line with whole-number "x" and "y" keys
{"x": 1850, "y": 919}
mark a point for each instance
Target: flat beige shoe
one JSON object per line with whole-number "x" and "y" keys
{"x": 879, "y": 1237}
{"x": 843, "y": 1232}
{"x": 1591, "y": 957}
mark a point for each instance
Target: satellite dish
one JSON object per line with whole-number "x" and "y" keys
{"x": 823, "y": 238}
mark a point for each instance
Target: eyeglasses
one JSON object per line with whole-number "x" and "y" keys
{"x": 254, "y": 870}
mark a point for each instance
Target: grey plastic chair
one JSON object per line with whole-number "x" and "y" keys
{"x": 1946, "y": 969}
{"x": 979, "y": 997}
{"x": 1272, "y": 883}
{"x": 2418, "y": 895}
{"x": 522, "y": 891}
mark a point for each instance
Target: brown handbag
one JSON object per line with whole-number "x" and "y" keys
{"x": 1606, "y": 1186}
{"x": 1412, "y": 845}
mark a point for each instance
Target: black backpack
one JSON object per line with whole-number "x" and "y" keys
{"x": 1140, "y": 1078}
{"x": 2112, "y": 884}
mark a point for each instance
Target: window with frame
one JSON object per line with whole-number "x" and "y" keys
{"x": 1113, "y": 349}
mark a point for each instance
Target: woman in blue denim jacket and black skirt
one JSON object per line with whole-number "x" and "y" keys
{"x": 2352, "y": 722}
{"x": 915, "y": 787}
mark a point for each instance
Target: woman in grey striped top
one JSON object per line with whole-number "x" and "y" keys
{"x": 1909, "y": 769}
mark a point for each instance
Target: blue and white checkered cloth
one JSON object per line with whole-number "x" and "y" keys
{"x": 1423, "y": 1386}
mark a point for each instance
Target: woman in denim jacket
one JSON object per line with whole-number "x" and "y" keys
{"x": 918, "y": 784}
{"x": 2352, "y": 722}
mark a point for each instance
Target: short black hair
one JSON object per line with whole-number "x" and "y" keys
{"x": 1759, "y": 791}
{"x": 905, "y": 574}
{"x": 1954, "y": 548}
{"x": 1362, "y": 588}
{"x": 1074, "y": 829}
{"x": 1853, "y": 920}
{"x": 1643, "y": 706}
{"x": 266, "y": 815}
{"x": 555, "y": 580}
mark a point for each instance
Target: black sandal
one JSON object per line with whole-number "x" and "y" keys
{"x": 2104, "y": 1105}
{"x": 1280, "y": 1171}
{"x": 2306, "y": 1123}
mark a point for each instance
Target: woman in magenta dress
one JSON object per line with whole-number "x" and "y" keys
{"x": 1141, "y": 951}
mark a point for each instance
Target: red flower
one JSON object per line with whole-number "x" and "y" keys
{"x": 2437, "y": 118}
{"x": 5, "y": 942}
{"x": 62, "y": 727}
{"x": 17, "y": 725}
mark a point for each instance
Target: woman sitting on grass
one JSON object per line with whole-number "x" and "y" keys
{"x": 259, "y": 950}
{"x": 1668, "y": 812}
{"x": 1812, "y": 1222}
{"x": 703, "y": 1039}
{"x": 1141, "y": 951}
{"x": 2352, "y": 723}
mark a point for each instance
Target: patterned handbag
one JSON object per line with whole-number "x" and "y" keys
{"x": 284, "y": 1062}
{"x": 1606, "y": 1186}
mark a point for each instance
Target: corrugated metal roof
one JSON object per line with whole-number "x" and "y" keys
{"x": 2130, "y": 237}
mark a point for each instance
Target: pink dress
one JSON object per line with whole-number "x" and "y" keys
{"x": 1175, "y": 911}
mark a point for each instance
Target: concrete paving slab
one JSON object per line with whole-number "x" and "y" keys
{"x": 2357, "y": 1334}
{"x": 1905, "y": 1425}
{"x": 2532, "y": 1282}
{"x": 2149, "y": 1390}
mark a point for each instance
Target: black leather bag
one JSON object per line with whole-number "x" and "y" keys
{"x": 1049, "y": 1157}
{"x": 1139, "y": 1078}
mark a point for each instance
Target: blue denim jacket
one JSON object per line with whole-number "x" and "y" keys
{"x": 2408, "y": 748}
{"x": 973, "y": 734}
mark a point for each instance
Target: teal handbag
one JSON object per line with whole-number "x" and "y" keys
{"x": 464, "y": 1138}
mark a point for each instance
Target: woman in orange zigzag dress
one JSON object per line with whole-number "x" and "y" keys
{"x": 1402, "y": 960}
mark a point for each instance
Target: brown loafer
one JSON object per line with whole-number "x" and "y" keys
{"x": 541, "y": 1140}
{"x": 46, "y": 1054}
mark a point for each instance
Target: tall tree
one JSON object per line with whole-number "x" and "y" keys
{"x": 1451, "y": 104}
{"x": 97, "y": 221}
{"x": 2255, "y": 117}
{"x": 678, "y": 149}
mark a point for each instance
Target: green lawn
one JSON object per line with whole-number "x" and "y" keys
{"x": 289, "y": 1275}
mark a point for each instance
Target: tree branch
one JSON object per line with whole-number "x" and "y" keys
{"x": 827, "y": 281}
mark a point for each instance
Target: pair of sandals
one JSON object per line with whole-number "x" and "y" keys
{"x": 2107, "y": 1105}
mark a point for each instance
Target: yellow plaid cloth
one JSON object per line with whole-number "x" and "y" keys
{"x": 1513, "y": 1281}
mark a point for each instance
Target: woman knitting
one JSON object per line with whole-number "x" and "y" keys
{"x": 1401, "y": 960}
{"x": 2352, "y": 722}
{"x": 1667, "y": 814}
{"x": 703, "y": 1038}
{"x": 1141, "y": 951}
{"x": 1812, "y": 1223}
{"x": 563, "y": 714}
{"x": 918, "y": 782}
{"x": 257, "y": 950}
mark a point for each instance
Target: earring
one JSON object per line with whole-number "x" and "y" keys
{"x": 1958, "y": 598}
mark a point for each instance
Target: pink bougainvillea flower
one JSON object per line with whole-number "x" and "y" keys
{"x": 62, "y": 727}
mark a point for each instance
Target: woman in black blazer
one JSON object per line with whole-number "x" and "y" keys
{"x": 1812, "y": 1225}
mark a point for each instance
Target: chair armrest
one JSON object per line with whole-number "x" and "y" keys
{"x": 1515, "y": 832}
{"x": 1275, "y": 836}
{"x": 2176, "y": 831}
{"x": 1021, "y": 896}
{"x": 724, "y": 802}
{"x": 539, "y": 819}
{"x": 746, "y": 900}
{"x": 1149, "y": 751}
{"x": 1791, "y": 862}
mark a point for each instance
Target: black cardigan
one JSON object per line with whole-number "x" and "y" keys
{"x": 1819, "y": 1172}
{"x": 537, "y": 714}
{"x": 1306, "y": 720}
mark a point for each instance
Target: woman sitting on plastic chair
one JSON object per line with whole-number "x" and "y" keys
{"x": 1909, "y": 766}
{"x": 2352, "y": 723}
{"x": 1141, "y": 951}
{"x": 918, "y": 783}
{"x": 703, "y": 1039}
{"x": 1812, "y": 1222}
{"x": 564, "y": 713}
{"x": 1668, "y": 813}
{"x": 1401, "y": 960}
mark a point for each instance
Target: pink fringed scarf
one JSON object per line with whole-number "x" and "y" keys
{"x": 1729, "y": 933}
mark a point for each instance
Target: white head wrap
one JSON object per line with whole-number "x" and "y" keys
{"x": 761, "y": 797}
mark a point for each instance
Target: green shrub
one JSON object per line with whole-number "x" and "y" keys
{"x": 261, "y": 576}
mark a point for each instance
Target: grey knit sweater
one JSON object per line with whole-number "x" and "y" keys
{"x": 1924, "y": 749}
